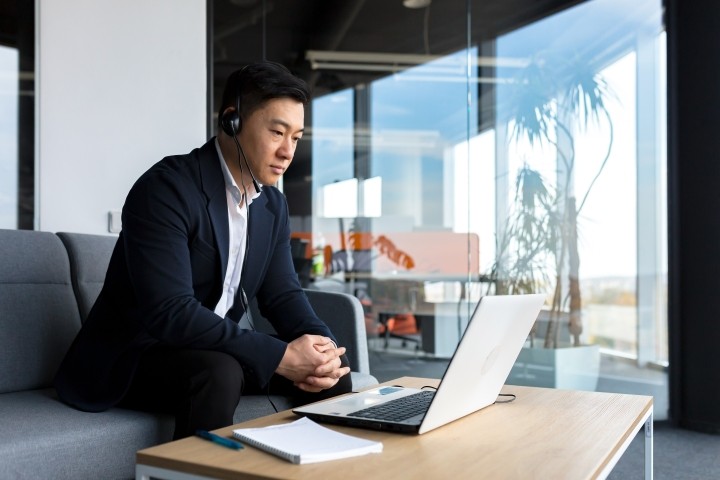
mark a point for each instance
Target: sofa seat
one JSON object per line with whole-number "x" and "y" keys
{"x": 60, "y": 442}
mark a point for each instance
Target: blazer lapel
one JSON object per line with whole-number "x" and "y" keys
{"x": 259, "y": 228}
{"x": 213, "y": 186}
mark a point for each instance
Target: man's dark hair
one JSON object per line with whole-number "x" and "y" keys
{"x": 256, "y": 83}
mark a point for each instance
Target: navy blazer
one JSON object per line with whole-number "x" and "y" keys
{"x": 165, "y": 278}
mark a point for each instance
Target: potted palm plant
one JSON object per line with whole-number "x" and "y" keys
{"x": 538, "y": 249}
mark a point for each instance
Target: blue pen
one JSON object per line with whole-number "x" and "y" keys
{"x": 225, "y": 442}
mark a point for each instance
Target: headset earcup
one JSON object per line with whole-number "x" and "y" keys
{"x": 231, "y": 123}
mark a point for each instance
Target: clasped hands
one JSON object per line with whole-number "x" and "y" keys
{"x": 312, "y": 363}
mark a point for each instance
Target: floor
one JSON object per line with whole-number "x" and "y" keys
{"x": 679, "y": 454}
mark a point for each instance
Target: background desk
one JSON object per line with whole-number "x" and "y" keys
{"x": 543, "y": 434}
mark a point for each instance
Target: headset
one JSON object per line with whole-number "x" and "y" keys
{"x": 231, "y": 124}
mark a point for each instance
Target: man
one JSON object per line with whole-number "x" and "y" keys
{"x": 203, "y": 233}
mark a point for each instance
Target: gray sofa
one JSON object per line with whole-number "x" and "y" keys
{"x": 48, "y": 283}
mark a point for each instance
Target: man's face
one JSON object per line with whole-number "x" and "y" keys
{"x": 269, "y": 137}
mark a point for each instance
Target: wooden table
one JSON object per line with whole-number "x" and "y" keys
{"x": 544, "y": 433}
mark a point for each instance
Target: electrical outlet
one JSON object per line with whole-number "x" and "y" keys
{"x": 114, "y": 221}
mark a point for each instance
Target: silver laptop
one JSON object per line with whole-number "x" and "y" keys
{"x": 477, "y": 371}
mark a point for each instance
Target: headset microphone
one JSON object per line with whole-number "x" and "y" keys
{"x": 230, "y": 122}
{"x": 241, "y": 152}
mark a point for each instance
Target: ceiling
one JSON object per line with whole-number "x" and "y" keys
{"x": 246, "y": 31}
{"x": 284, "y": 30}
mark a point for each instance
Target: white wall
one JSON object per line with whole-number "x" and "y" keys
{"x": 9, "y": 109}
{"x": 120, "y": 84}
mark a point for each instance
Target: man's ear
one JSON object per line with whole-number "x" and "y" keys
{"x": 230, "y": 122}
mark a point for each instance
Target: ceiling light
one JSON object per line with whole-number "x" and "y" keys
{"x": 416, "y": 3}
{"x": 394, "y": 62}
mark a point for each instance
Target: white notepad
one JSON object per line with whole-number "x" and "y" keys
{"x": 304, "y": 441}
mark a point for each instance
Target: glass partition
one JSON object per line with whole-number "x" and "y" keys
{"x": 579, "y": 124}
{"x": 457, "y": 149}
{"x": 17, "y": 94}
{"x": 395, "y": 234}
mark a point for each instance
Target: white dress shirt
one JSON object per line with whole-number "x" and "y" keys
{"x": 237, "y": 220}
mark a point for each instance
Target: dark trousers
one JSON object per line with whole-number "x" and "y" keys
{"x": 203, "y": 388}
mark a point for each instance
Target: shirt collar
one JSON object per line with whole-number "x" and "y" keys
{"x": 230, "y": 183}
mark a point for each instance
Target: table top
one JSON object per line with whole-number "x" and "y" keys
{"x": 544, "y": 433}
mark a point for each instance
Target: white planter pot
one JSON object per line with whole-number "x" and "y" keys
{"x": 570, "y": 368}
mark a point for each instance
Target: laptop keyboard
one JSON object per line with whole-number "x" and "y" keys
{"x": 399, "y": 409}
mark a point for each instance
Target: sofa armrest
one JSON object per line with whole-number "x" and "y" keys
{"x": 344, "y": 315}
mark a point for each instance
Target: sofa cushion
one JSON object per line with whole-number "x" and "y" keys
{"x": 39, "y": 316}
{"x": 344, "y": 315}
{"x": 89, "y": 258}
{"x": 40, "y": 437}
